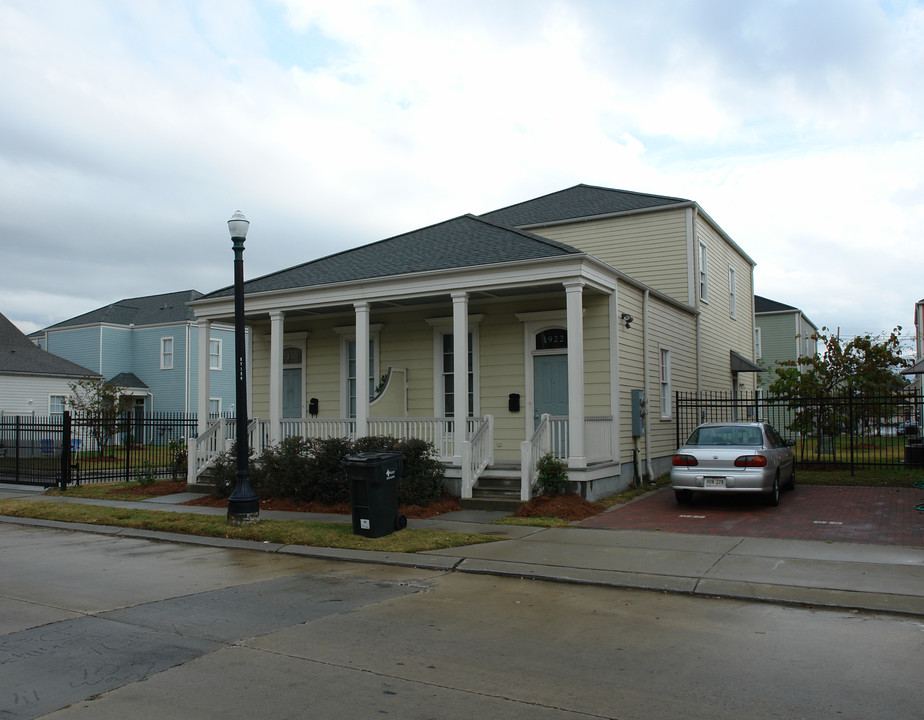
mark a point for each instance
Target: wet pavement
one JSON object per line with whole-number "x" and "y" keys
{"x": 873, "y": 516}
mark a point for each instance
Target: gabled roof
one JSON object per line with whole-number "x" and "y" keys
{"x": 580, "y": 201}
{"x": 20, "y": 356}
{"x": 763, "y": 305}
{"x": 465, "y": 241}
{"x": 127, "y": 380}
{"x": 147, "y": 310}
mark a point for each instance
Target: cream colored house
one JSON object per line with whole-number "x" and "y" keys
{"x": 562, "y": 305}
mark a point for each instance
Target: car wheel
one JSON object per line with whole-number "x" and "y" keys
{"x": 773, "y": 497}
{"x": 684, "y": 497}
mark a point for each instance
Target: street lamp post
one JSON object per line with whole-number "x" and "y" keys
{"x": 243, "y": 505}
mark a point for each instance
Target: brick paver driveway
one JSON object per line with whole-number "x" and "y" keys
{"x": 881, "y": 516}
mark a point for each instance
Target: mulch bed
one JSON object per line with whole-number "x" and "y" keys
{"x": 156, "y": 490}
{"x": 445, "y": 505}
{"x": 567, "y": 507}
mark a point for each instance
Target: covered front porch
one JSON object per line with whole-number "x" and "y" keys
{"x": 474, "y": 458}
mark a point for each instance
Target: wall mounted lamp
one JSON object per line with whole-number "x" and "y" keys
{"x": 627, "y": 319}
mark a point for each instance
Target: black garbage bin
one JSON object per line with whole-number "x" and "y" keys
{"x": 373, "y": 481}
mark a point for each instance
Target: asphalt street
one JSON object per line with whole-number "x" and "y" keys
{"x": 105, "y": 626}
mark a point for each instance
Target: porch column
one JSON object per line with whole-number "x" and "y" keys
{"x": 459, "y": 373}
{"x": 203, "y": 384}
{"x": 362, "y": 368}
{"x": 275, "y": 375}
{"x": 574, "y": 295}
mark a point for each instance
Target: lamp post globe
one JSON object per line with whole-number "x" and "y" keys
{"x": 243, "y": 504}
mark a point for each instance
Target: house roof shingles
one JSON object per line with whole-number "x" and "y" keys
{"x": 763, "y": 305}
{"x": 20, "y": 356}
{"x": 147, "y": 310}
{"x": 465, "y": 241}
{"x": 580, "y": 201}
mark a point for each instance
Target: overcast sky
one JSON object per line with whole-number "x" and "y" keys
{"x": 131, "y": 130}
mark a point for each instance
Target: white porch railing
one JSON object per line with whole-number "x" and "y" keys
{"x": 598, "y": 439}
{"x": 552, "y": 436}
{"x": 530, "y": 452}
{"x": 477, "y": 454}
{"x": 221, "y": 433}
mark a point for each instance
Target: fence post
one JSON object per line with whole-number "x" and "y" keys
{"x": 853, "y": 430}
{"x": 18, "y": 442}
{"x": 65, "y": 450}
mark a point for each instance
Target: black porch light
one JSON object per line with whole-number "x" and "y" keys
{"x": 243, "y": 505}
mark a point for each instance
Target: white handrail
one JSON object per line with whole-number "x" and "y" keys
{"x": 530, "y": 452}
{"x": 477, "y": 454}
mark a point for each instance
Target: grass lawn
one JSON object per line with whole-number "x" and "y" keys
{"x": 285, "y": 532}
{"x": 121, "y": 490}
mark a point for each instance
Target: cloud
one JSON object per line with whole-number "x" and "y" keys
{"x": 132, "y": 131}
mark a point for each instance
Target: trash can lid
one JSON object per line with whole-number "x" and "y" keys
{"x": 370, "y": 457}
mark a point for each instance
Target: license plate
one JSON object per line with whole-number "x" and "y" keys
{"x": 714, "y": 482}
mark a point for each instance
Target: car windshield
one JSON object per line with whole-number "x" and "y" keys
{"x": 726, "y": 435}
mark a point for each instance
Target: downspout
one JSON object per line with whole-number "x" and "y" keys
{"x": 649, "y": 473}
{"x": 696, "y": 301}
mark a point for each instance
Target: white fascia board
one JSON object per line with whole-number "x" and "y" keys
{"x": 483, "y": 278}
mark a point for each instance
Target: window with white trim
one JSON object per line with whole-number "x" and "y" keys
{"x": 703, "y": 272}
{"x": 166, "y": 353}
{"x": 214, "y": 354}
{"x": 732, "y": 294}
{"x": 214, "y": 407}
{"x": 665, "y": 371}
{"x": 57, "y": 404}
{"x": 351, "y": 373}
{"x": 447, "y": 370}
{"x": 758, "y": 350}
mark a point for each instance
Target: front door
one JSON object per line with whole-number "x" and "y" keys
{"x": 292, "y": 392}
{"x": 550, "y": 395}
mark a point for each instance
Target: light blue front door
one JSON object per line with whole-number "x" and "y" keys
{"x": 292, "y": 392}
{"x": 550, "y": 393}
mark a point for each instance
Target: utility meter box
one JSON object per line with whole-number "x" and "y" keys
{"x": 639, "y": 413}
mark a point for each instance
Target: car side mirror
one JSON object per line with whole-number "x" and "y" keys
{"x": 789, "y": 443}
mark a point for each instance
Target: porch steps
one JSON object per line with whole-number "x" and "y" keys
{"x": 497, "y": 489}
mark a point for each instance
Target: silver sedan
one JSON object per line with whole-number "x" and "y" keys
{"x": 748, "y": 457}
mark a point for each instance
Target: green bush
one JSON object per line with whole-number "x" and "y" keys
{"x": 312, "y": 470}
{"x": 224, "y": 473}
{"x": 422, "y": 481}
{"x": 553, "y": 476}
{"x": 147, "y": 474}
{"x": 178, "y": 458}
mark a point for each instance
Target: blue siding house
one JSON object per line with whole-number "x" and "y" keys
{"x": 149, "y": 346}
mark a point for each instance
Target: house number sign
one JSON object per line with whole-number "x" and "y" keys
{"x": 552, "y": 339}
{"x": 291, "y": 356}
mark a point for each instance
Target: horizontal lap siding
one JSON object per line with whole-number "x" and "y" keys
{"x": 80, "y": 346}
{"x": 27, "y": 394}
{"x": 596, "y": 356}
{"x": 719, "y": 331}
{"x": 675, "y": 330}
{"x": 649, "y": 247}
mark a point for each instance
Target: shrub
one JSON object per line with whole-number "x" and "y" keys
{"x": 224, "y": 473}
{"x": 178, "y": 458}
{"x": 146, "y": 475}
{"x": 287, "y": 469}
{"x": 553, "y": 476}
{"x": 312, "y": 470}
{"x": 422, "y": 480}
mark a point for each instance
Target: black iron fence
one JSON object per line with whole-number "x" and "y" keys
{"x": 74, "y": 448}
{"x": 854, "y": 431}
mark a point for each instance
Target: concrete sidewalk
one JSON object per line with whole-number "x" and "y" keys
{"x": 823, "y": 574}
